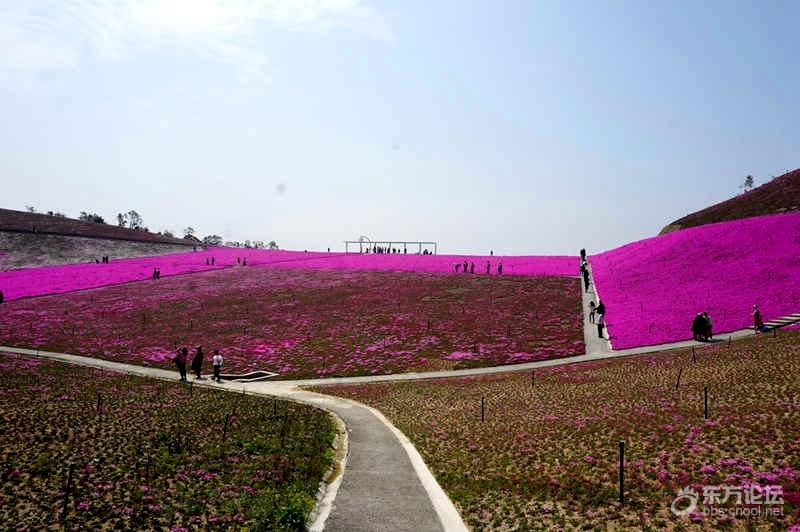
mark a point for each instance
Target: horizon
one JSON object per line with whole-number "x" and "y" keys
{"x": 531, "y": 129}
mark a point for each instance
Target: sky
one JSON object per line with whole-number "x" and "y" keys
{"x": 521, "y": 127}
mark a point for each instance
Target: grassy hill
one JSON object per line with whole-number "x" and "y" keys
{"x": 782, "y": 194}
{"x": 27, "y": 222}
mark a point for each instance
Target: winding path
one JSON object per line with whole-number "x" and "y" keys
{"x": 385, "y": 484}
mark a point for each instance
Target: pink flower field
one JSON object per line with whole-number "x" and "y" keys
{"x": 31, "y": 282}
{"x": 512, "y": 265}
{"x": 545, "y": 455}
{"x": 653, "y": 288}
{"x": 311, "y": 323}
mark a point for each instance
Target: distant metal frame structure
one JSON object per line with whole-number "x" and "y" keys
{"x": 373, "y": 243}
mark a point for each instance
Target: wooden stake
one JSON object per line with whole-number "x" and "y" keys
{"x": 705, "y": 402}
{"x": 67, "y": 491}
{"x": 621, "y": 471}
{"x": 677, "y": 384}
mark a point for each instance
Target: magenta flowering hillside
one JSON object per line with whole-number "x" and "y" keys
{"x": 29, "y": 282}
{"x": 67, "y": 278}
{"x": 512, "y": 265}
{"x": 311, "y": 323}
{"x": 653, "y": 288}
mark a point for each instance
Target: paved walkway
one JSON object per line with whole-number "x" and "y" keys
{"x": 594, "y": 344}
{"x": 385, "y": 485}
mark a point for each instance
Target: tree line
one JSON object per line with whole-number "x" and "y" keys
{"x": 133, "y": 220}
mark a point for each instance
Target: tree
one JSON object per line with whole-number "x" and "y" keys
{"x": 189, "y": 231}
{"x": 120, "y": 220}
{"x": 212, "y": 240}
{"x": 272, "y": 245}
{"x": 167, "y": 233}
{"x": 91, "y": 217}
{"x": 748, "y": 183}
{"x": 134, "y": 220}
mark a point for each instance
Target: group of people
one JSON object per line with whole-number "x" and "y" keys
{"x": 156, "y": 273}
{"x": 597, "y": 315}
{"x": 469, "y": 267}
{"x": 102, "y": 260}
{"x": 702, "y": 327}
{"x": 182, "y": 357}
{"x": 210, "y": 261}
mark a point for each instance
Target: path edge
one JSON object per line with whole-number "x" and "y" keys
{"x": 449, "y": 516}
{"x": 332, "y": 479}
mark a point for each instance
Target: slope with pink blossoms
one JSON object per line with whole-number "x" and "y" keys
{"x": 30, "y": 282}
{"x": 653, "y": 288}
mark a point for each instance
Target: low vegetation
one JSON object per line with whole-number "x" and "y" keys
{"x": 91, "y": 450}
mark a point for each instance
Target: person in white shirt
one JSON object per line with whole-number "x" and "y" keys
{"x": 216, "y": 362}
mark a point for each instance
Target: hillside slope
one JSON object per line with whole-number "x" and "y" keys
{"x": 28, "y": 250}
{"x": 782, "y": 194}
{"x": 654, "y": 287}
{"x": 27, "y": 222}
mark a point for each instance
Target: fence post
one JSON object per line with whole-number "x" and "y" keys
{"x": 621, "y": 471}
{"x": 67, "y": 491}
{"x": 705, "y": 402}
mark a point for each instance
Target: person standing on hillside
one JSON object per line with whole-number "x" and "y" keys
{"x": 585, "y": 277}
{"x": 471, "y": 267}
{"x": 216, "y": 362}
{"x": 758, "y": 320}
{"x": 592, "y": 311}
{"x": 500, "y": 269}
{"x": 488, "y": 267}
{"x": 1, "y": 296}
{"x": 601, "y": 324}
{"x": 197, "y": 362}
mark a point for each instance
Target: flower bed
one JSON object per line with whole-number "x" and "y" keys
{"x": 151, "y": 455}
{"x": 653, "y": 288}
{"x": 29, "y": 282}
{"x": 512, "y": 265}
{"x": 546, "y": 456}
{"x": 311, "y": 323}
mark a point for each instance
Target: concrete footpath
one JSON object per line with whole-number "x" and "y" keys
{"x": 385, "y": 484}
{"x": 594, "y": 344}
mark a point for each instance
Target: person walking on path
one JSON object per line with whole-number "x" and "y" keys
{"x": 466, "y": 266}
{"x": 471, "y": 267}
{"x": 500, "y": 269}
{"x": 592, "y": 311}
{"x": 586, "y": 279}
{"x": 601, "y": 323}
{"x": 601, "y": 308}
{"x": 216, "y": 362}
{"x": 488, "y": 267}
{"x": 583, "y": 255}
{"x": 180, "y": 361}
{"x": 758, "y": 319}
{"x": 197, "y": 362}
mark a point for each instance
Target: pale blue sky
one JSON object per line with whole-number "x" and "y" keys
{"x": 524, "y": 127}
